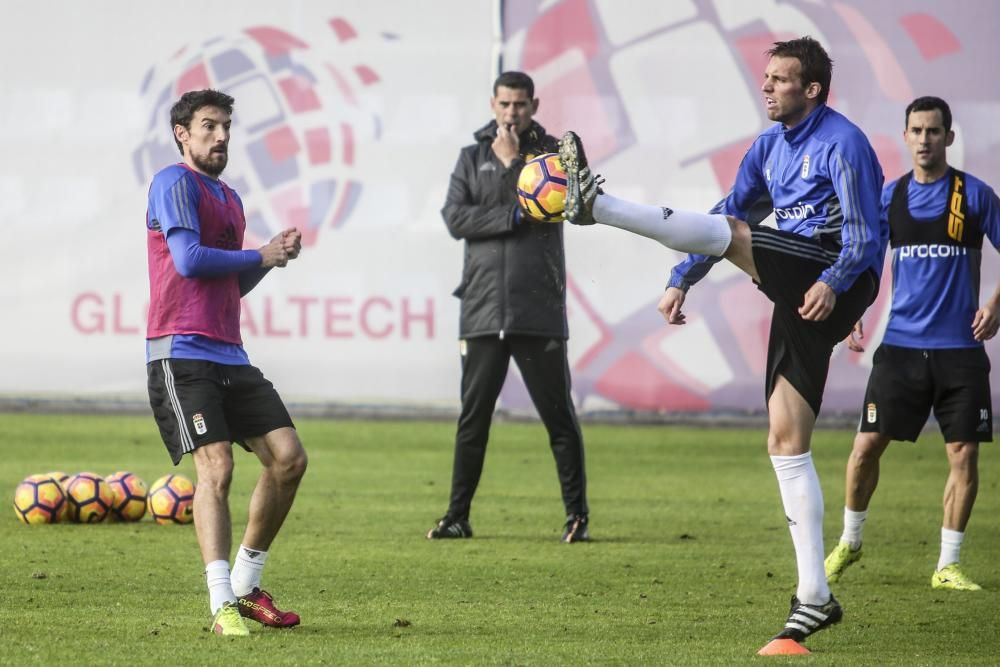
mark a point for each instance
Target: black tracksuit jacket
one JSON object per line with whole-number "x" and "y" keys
{"x": 514, "y": 274}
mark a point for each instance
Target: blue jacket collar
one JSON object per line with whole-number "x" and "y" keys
{"x": 800, "y": 132}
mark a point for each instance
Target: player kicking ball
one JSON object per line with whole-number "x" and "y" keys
{"x": 820, "y": 268}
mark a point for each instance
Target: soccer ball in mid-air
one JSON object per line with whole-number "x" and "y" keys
{"x": 541, "y": 188}
{"x": 88, "y": 498}
{"x": 39, "y": 499}
{"x": 171, "y": 500}
{"x": 129, "y": 494}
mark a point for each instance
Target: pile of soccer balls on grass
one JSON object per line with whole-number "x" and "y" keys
{"x": 88, "y": 498}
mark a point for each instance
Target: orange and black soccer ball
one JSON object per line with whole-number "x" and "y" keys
{"x": 541, "y": 188}
{"x": 88, "y": 498}
{"x": 171, "y": 500}
{"x": 129, "y": 496}
{"x": 39, "y": 499}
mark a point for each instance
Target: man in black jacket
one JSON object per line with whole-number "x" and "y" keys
{"x": 513, "y": 295}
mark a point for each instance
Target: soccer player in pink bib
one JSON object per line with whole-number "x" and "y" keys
{"x": 204, "y": 392}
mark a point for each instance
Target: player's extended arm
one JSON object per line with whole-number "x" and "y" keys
{"x": 857, "y": 181}
{"x": 670, "y": 305}
{"x": 193, "y": 260}
{"x": 818, "y": 302}
{"x": 986, "y": 321}
{"x": 856, "y": 178}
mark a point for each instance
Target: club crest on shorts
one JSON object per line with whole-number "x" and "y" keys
{"x": 872, "y": 413}
{"x": 199, "y": 423}
{"x": 805, "y": 167}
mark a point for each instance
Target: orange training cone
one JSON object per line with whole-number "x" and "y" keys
{"x": 783, "y": 647}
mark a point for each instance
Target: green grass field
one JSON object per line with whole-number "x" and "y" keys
{"x": 691, "y": 561}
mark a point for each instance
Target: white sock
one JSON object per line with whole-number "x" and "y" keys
{"x": 854, "y": 523}
{"x": 802, "y": 498}
{"x": 686, "y": 231}
{"x": 247, "y": 569}
{"x": 220, "y": 589}
{"x": 951, "y": 544}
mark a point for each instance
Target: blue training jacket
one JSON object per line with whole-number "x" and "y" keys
{"x": 824, "y": 180}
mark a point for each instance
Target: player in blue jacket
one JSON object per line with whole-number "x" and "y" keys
{"x": 932, "y": 354}
{"x": 821, "y": 268}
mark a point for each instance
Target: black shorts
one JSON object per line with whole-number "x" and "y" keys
{"x": 798, "y": 350}
{"x": 906, "y": 383}
{"x": 196, "y": 403}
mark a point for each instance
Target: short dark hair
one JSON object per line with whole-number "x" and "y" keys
{"x": 184, "y": 109}
{"x": 517, "y": 80}
{"x": 929, "y": 103}
{"x": 815, "y": 63}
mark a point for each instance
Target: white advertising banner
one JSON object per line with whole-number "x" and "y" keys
{"x": 348, "y": 121}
